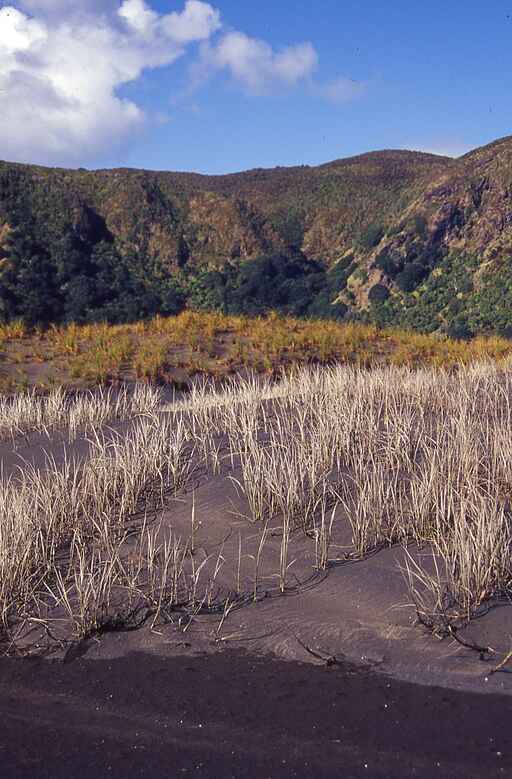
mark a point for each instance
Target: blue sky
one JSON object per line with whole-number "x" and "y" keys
{"x": 232, "y": 85}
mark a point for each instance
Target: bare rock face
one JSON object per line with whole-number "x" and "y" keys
{"x": 5, "y": 229}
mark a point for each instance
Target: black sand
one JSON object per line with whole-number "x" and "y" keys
{"x": 232, "y": 714}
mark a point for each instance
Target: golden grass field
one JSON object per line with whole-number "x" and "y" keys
{"x": 173, "y": 350}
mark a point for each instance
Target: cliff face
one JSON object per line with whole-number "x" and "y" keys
{"x": 468, "y": 208}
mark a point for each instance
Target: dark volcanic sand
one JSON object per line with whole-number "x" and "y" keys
{"x": 231, "y": 714}
{"x": 168, "y": 704}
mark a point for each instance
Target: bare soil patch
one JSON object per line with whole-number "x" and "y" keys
{"x": 233, "y": 714}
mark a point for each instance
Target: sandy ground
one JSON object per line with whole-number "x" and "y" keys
{"x": 357, "y": 611}
{"x": 231, "y": 714}
{"x": 331, "y": 679}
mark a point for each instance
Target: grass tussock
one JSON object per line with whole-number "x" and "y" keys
{"x": 418, "y": 457}
{"x": 28, "y": 412}
{"x": 405, "y": 456}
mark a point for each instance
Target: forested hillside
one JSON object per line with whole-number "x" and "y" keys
{"x": 392, "y": 237}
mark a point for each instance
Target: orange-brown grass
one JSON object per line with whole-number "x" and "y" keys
{"x": 168, "y": 349}
{"x": 151, "y": 359}
{"x": 12, "y": 331}
{"x": 104, "y": 359}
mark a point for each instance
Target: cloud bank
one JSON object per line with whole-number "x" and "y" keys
{"x": 60, "y": 71}
{"x": 63, "y": 62}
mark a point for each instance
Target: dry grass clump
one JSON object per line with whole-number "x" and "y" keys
{"x": 349, "y": 459}
{"x": 405, "y": 455}
{"x": 67, "y": 523}
{"x": 27, "y": 412}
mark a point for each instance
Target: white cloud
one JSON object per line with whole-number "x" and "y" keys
{"x": 63, "y": 62}
{"x": 59, "y": 76}
{"x": 17, "y": 33}
{"x": 259, "y": 69}
{"x": 340, "y": 90}
{"x": 139, "y": 18}
{"x": 50, "y": 8}
{"x": 196, "y": 23}
{"x": 255, "y": 65}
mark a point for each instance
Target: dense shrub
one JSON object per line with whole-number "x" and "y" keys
{"x": 371, "y": 236}
{"x": 378, "y": 293}
{"x": 290, "y": 226}
{"x": 386, "y": 263}
{"x": 459, "y": 329}
{"x": 71, "y": 280}
{"x": 411, "y": 276}
{"x": 420, "y": 224}
{"x": 292, "y": 285}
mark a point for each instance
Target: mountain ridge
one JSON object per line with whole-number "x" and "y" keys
{"x": 361, "y": 155}
{"x": 396, "y": 219}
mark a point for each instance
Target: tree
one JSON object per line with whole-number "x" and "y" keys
{"x": 132, "y": 286}
{"x": 387, "y": 264}
{"x": 28, "y": 283}
{"x": 210, "y": 290}
{"x": 371, "y": 236}
{"x": 411, "y": 276}
{"x": 378, "y": 293}
{"x": 460, "y": 329}
{"x": 75, "y": 273}
{"x": 275, "y": 282}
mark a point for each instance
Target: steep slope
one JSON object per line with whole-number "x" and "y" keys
{"x": 410, "y": 238}
{"x": 447, "y": 258}
{"x": 182, "y": 217}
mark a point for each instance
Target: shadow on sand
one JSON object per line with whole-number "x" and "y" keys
{"x": 232, "y": 714}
